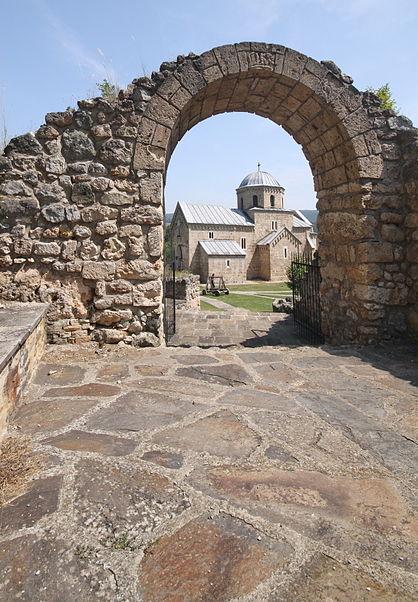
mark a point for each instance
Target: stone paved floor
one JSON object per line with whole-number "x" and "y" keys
{"x": 234, "y": 327}
{"x": 186, "y": 474}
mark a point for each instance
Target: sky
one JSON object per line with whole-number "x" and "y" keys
{"x": 53, "y": 53}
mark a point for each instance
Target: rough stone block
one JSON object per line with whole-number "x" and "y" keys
{"x": 46, "y": 248}
{"x": 93, "y": 270}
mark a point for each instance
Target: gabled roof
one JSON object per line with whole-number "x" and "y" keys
{"x": 221, "y": 247}
{"x": 272, "y": 236}
{"x": 214, "y": 214}
{"x": 300, "y": 220}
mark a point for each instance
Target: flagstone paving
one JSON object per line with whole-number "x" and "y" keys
{"x": 190, "y": 474}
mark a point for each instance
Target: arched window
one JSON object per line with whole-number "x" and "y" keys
{"x": 241, "y": 203}
{"x": 255, "y": 200}
{"x": 272, "y": 200}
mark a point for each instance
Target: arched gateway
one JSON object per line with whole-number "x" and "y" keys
{"x": 82, "y": 198}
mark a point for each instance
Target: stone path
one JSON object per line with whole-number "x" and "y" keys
{"x": 191, "y": 474}
{"x": 230, "y": 328}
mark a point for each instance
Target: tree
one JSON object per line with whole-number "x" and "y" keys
{"x": 295, "y": 272}
{"x": 108, "y": 90}
{"x": 385, "y": 95}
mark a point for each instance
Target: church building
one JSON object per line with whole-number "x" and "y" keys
{"x": 257, "y": 240}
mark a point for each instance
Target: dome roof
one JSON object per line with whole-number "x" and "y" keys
{"x": 259, "y": 178}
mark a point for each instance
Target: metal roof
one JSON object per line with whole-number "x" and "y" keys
{"x": 259, "y": 178}
{"x": 214, "y": 214}
{"x": 266, "y": 240}
{"x": 221, "y": 247}
{"x": 300, "y": 220}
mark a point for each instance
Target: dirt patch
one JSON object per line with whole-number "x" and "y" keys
{"x": 17, "y": 464}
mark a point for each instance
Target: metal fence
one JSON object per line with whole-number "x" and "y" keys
{"x": 306, "y": 278}
{"x": 169, "y": 300}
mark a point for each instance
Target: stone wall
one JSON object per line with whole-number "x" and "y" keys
{"x": 81, "y": 198}
{"x": 80, "y": 228}
{"x": 187, "y": 291}
{"x": 22, "y": 347}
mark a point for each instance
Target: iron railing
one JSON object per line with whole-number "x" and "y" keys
{"x": 169, "y": 300}
{"x": 306, "y": 278}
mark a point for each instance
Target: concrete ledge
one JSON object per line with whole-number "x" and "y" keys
{"x": 22, "y": 344}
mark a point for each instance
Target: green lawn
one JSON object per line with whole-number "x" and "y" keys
{"x": 260, "y": 286}
{"x": 204, "y": 306}
{"x": 247, "y": 302}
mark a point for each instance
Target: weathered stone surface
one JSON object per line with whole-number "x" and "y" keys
{"x": 259, "y": 399}
{"x": 77, "y": 146}
{"x": 54, "y": 213}
{"x": 59, "y": 119}
{"x": 106, "y": 445}
{"x": 142, "y": 214}
{"x": 113, "y": 249}
{"x": 82, "y": 193}
{"x": 42, "y": 416}
{"x": 18, "y": 207}
{"x": 191, "y": 359}
{"x": 115, "y": 152}
{"x": 138, "y": 269}
{"x": 59, "y": 374}
{"x": 138, "y": 411}
{"x": 221, "y": 434}
{"x": 278, "y": 374}
{"x": 152, "y": 370}
{"x": 116, "y": 198}
{"x": 391, "y": 449}
{"x": 56, "y": 570}
{"x": 323, "y": 576}
{"x": 368, "y": 504}
{"x": 145, "y": 339}
{"x": 117, "y": 505}
{"x": 26, "y": 510}
{"x": 230, "y": 375}
{"x": 112, "y": 372}
{"x": 87, "y": 390}
{"x": 46, "y": 248}
{"x": 163, "y": 458}
{"x": 93, "y": 270}
{"x": 26, "y": 144}
{"x": 220, "y": 559}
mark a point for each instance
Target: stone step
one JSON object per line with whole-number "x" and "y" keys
{"x": 22, "y": 344}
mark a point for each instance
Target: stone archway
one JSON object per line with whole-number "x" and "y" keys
{"x": 352, "y": 151}
{"x": 82, "y": 197}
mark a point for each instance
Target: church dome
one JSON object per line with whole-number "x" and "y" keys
{"x": 259, "y": 178}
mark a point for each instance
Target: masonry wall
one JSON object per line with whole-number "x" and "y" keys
{"x": 233, "y": 274}
{"x": 81, "y": 198}
{"x": 17, "y": 372}
{"x": 81, "y": 229}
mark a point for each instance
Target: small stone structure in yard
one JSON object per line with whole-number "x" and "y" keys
{"x": 187, "y": 291}
{"x": 81, "y": 208}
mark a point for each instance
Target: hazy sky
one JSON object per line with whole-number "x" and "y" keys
{"x": 53, "y": 52}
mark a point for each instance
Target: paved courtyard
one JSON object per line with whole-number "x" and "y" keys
{"x": 190, "y": 474}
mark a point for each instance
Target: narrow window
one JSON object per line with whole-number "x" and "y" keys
{"x": 210, "y": 234}
{"x": 243, "y": 243}
{"x": 241, "y": 203}
{"x": 227, "y": 263}
{"x": 274, "y": 225}
{"x": 255, "y": 200}
{"x": 272, "y": 200}
{"x": 285, "y": 252}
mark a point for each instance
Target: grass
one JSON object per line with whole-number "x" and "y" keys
{"x": 17, "y": 464}
{"x": 260, "y": 286}
{"x": 248, "y": 302}
{"x": 204, "y": 306}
